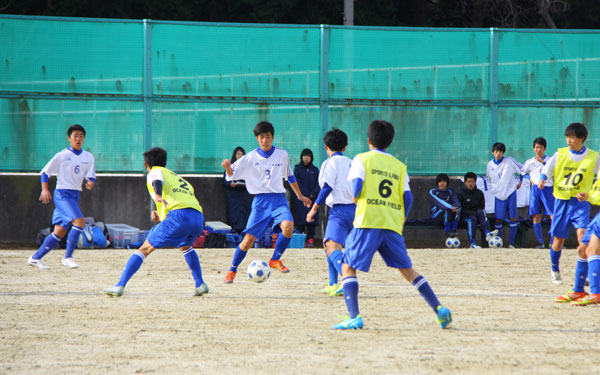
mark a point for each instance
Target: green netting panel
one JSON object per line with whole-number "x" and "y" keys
{"x": 428, "y": 140}
{"x": 71, "y": 57}
{"x": 198, "y": 136}
{"x": 403, "y": 64}
{"x": 33, "y": 131}
{"x": 235, "y": 61}
{"x": 518, "y": 127}
{"x": 538, "y": 66}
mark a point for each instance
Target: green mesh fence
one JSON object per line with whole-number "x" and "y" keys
{"x": 198, "y": 89}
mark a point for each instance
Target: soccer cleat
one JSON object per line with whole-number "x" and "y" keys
{"x": 69, "y": 262}
{"x": 556, "y": 279}
{"x": 38, "y": 263}
{"x": 571, "y": 296}
{"x": 444, "y": 317}
{"x": 310, "y": 243}
{"x": 589, "y": 300}
{"x": 512, "y": 246}
{"x": 541, "y": 246}
{"x": 229, "y": 277}
{"x": 337, "y": 290}
{"x": 201, "y": 290}
{"x": 114, "y": 291}
{"x": 276, "y": 264}
{"x": 491, "y": 234}
{"x": 328, "y": 289}
{"x": 356, "y": 323}
{"x": 475, "y": 246}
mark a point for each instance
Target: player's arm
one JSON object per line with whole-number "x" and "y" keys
{"x": 227, "y": 165}
{"x": 548, "y": 170}
{"x": 296, "y": 190}
{"x": 323, "y": 194}
{"x": 91, "y": 175}
{"x": 48, "y": 170}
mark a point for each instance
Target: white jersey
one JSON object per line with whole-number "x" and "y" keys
{"x": 548, "y": 169}
{"x": 483, "y": 184}
{"x": 334, "y": 172}
{"x": 71, "y": 169}
{"x": 501, "y": 176}
{"x": 357, "y": 170}
{"x": 533, "y": 168}
{"x": 262, "y": 174}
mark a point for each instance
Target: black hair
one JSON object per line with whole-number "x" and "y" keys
{"x": 442, "y": 177}
{"x": 74, "y": 127}
{"x": 235, "y": 151}
{"x": 335, "y": 139}
{"x": 380, "y": 134}
{"x": 264, "y": 127}
{"x": 540, "y": 141}
{"x": 156, "y": 157}
{"x": 470, "y": 175}
{"x": 308, "y": 152}
{"x": 576, "y": 129}
{"x": 499, "y": 146}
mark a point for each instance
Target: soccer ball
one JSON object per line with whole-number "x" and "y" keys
{"x": 452, "y": 242}
{"x": 495, "y": 242}
{"x": 259, "y": 271}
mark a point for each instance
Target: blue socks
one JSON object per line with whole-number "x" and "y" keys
{"x": 72, "y": 239}
{"x": 581, "y": 272}
{"x": 49, "y": 243}
{"x": 280, "y": 246}
{"x": 513, "y": 232}
{"x": 350, "y": 285}
{"x": 594, "y": 273}
{"x": 133, "y": 264}
{"x": 336, "y": 258}
{"x": 555, "y": 258}
{"x": 539, "y": 234}
{"x": 333, "y": 273}
{"x": 421, "y": 284}
{"x": 499, "y": 228}
{"x": 238, "y": 256}
{"x": 191, "y": 257}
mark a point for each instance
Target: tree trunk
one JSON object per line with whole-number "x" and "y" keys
{"x": 543, "y": 12}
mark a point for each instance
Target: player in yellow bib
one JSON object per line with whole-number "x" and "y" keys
{"x": 573, "y": 169}
{"x": 180, "y": 221}
{"x": 383, "y": 199}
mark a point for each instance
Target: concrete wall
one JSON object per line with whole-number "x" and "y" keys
{"x": 124, "y": 199}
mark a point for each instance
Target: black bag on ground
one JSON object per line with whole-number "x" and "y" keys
{"x": 215, "y": 240}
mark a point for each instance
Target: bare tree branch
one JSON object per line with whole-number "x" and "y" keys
{"x": 543, "y": 6}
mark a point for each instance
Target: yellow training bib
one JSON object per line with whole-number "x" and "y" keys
{"x": 573, "y": 177}
{"x": 381, "y": 203}
{"x": 176, "y": 191}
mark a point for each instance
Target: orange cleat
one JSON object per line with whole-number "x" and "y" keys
{"x": 570, "y": 297}
{"x": 276, "y": 264}
{"x": 589, "y": 300}
{"x": 229, "y": 278}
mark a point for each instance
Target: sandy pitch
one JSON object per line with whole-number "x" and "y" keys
{"x": 505, "y": 319}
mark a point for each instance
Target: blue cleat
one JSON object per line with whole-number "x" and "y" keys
{"x": 444, "y": 317}
{"x": 356, "y": 323}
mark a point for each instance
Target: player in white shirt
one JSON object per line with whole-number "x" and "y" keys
{"x": 264, "y": 169}
{"x": 541, "y": 201}
{"x": 71, "y": 166}
{"x": 501, "y": 171}
{"x": 336, "y": 192}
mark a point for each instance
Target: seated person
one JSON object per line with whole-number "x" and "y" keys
{"x": 445, "y": 207}
{"x": 472, "y": 204}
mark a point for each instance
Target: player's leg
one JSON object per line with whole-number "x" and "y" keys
{"x": 283, "y": 240}
{"x": 310, "y": 235}
{"x": 471, "y": 222}
{"x": 48, "y": 245}
{"x": 454, "y": 217}
{"x": 238, "y": 256}
{"x": 535, "y": 211}
{"x": 512, "y": 214}
{"x": 72, "y": 240}
{"x": 593, "y": 257}
{"x": 393, "y": 252}
{"x": 333, "y": 251}
{"x": 560, "y": 230}
{"x": 484, "y": 225}
{"x": 131, "y": 267}
{"x": 499, "y": 214}
{"x": 338, "y": 228}
{"x": 189, "y": 230}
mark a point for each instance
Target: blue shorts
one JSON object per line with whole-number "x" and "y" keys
{"x": 509, "y": 204}
{"x": 266, "y": 209}
{"x": 67, "y": 207}
{"x": 179, "y": 229}
{"x": 362, "y": 243}
{"x": 541, "y": 199}
{"x": 339, "y": 223}
{"x": 567, "y": 213}
{"x": 592, "y": 228}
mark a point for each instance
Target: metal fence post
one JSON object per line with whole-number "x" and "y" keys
{"x": 324, "y": 87}
{"x": 493, "y": 86}
{"x": 147, "y": 84}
